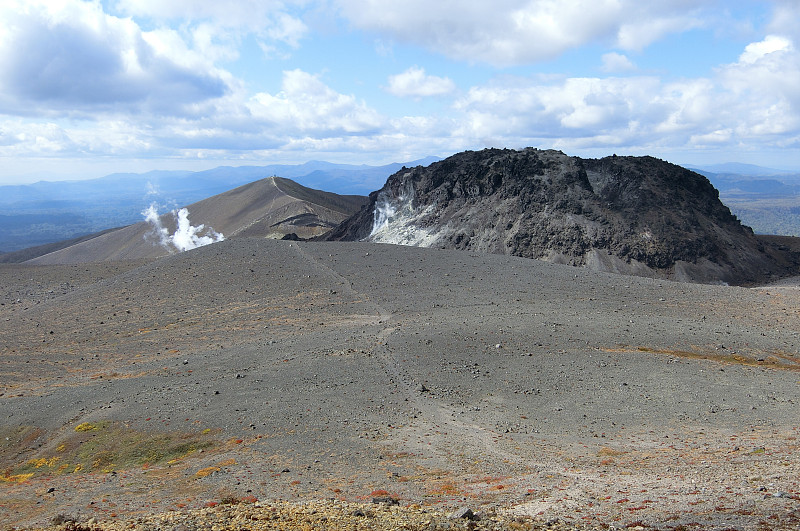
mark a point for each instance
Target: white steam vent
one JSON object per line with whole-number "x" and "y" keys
{"x": 388, "y": 207}
{"x": 186, "y": 235}
{"x": 395, "y": 220}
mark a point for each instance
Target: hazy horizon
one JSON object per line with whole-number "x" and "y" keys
{"x": 33, "y": 179}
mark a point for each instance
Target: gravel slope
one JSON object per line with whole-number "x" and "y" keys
{"x": 311, "y": 371}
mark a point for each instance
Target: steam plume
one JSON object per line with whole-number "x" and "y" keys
{"x": 387, "y": 207}
{"x": 396, "y": 221}
{"x": 186, "y": 235}
{"x": 385, "y": 210}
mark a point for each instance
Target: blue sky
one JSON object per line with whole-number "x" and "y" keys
{"x": 89, "y": 88}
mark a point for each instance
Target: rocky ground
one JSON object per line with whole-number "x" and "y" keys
{"x": 174, "y": 392}
{"x": 322, "y": 515}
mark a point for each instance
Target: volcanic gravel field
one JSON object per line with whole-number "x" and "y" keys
{"x": 252, "y": 375}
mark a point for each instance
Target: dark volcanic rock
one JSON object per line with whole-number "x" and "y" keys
{"x": 633, "y": 215}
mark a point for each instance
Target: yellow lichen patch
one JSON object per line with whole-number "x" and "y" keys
{"x": 180, "y": 458}
{"x": 37, "y": 463}
{"x": 605, "y": 451}
{"x": 207, "y": 471}
{"x": 446, "y": 489}
{"x": 16, "y": 478}
{"x": 228, "y": 462}
{"x": 44, "y": 461}
{"x": 108, "y": 447}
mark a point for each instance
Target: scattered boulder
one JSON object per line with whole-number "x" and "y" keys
{"x": 463, "y": 512}
{"x": 386, "y": 500}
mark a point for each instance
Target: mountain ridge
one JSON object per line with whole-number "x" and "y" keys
{"x": 118, "y": 199}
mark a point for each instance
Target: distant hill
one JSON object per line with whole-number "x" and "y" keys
{"x": 766, "y": 199}
{"x": 738, "y": 168}
{"x": 47, "y": 212}
{"x": 269, "y": 208}
{"x": 633, "y": 215}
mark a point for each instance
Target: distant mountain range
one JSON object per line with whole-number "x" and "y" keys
{"x": 734, "y": 178}
{"x": 738, "y": 168}
{"x": 46, "y": 212}
{"x": 765, "y": 199}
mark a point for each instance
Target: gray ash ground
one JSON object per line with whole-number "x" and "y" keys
{"x": 336, "y": 370}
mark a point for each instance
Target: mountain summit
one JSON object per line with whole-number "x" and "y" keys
{"x": 632, "y": 215}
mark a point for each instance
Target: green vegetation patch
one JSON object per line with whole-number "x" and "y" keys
{"x": 103, "y": 447}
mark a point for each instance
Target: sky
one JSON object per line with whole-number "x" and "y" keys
{"x": 89, "y": 88}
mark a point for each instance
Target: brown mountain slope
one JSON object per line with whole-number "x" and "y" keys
{"x": 269, "y": 208}
{"x": 632, "y": 215}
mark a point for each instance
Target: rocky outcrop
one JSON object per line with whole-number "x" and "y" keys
{"x": 633, "y": 215}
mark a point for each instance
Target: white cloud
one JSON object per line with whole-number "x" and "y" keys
{"x": 511, "y": 32}
{"x": 719, "y": 137}
{"x": 217, "y": 29}
{"x": 414, "y": 83}
{"x": 77, "y": 58}
{"x": 50, "y": 139}
{"x": 689, "y": 105}
{"x": 756, "y": 51}
{"x": 785, "y": 15}
{"x": 568, "y": 107}
{"x": 748, "y": 102}
{"x": 763, "y": 85}
{"x": 648, "y": 28}
{"x": 269, "y": 19}
{"x": 76, "y": 81}
{"x": 615, "y": 62}
{"x": 44, "y": 139}
{"x": 305, "y": 105}
{"x": 288, "y": 29}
